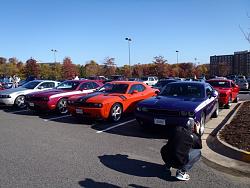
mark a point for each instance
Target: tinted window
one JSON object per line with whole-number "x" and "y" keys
{"x": 31, "y": 85}
{"x": 48, "y": 85}
{"x": 137, "y": 87}
{"x": 94, "y": 85}
{"x": 70, "y": 85}
{"x": 208, "y": 91}
{"x": 224, "y": 84}
{"x": 183, "y": 90}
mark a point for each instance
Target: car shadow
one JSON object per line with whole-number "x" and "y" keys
{"x": 135, "y": 167}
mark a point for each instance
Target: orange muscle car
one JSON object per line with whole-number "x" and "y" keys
{"x": 111, "y": 100}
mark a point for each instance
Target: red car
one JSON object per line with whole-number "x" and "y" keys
{"x": 56, "y": 99}
{"x": 228, "y": 91}
{"x": 111, "y": 100}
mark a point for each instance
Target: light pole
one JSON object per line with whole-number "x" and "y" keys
{"x": 54, "y": 51}
{"x": 177, "y": 53}
{"x": 129, "y": 41}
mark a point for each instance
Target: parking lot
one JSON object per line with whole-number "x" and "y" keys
{"x": 47, "y": 150}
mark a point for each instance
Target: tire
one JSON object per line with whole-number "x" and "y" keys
{"x": 62, "y": 106}
{"x": 202, "y": 124}
{"x": 228, "y": 105}
{"x": 236, "y": 100}
{"x": 216, "y": 112}
{"x": 115, "y": 113}
{"x": 20, "y": 102}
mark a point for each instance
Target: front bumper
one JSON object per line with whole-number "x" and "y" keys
{"x": 151, "y": 119}
{"x": 41, "y": 105}
{"x": 93, "y": 113}
{"x": 7, "y": 101}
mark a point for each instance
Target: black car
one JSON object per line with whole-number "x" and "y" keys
{"x": 162, "y": 83}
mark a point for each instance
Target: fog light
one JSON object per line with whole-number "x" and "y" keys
{"x": 190, "y": 123}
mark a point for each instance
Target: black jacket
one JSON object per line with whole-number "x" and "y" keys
{"x": 181, "y": 140}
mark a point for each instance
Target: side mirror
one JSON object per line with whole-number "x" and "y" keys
{"x": 135, "y": 91}
{"x": 157, "y": 92}
{"x": 84, "y": 88}
{"x": 40, "y": 87}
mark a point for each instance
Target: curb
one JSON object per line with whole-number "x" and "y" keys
{"x": 221, "y": 155}
{"x": 241, "y": 154}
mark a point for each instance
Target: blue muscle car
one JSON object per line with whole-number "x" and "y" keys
{"x": 180, "y": 103}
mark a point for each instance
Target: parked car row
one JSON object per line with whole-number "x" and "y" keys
{"x": 170, "y": 102}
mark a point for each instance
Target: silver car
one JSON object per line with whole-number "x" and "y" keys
{"x": 243, "y": 84}
{"x": 16, "y": 96}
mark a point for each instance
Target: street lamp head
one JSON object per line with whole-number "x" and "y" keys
{"x": 177, "y": 51}
{"x": 128, "y": 39}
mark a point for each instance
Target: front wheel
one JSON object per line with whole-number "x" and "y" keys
{"x": 62, "y": 106}
{"x": 236, "y": 99}
{"x": 20, "y": 102}
{"x": 115, "y": 112}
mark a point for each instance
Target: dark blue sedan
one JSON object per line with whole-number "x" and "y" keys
{"x": 179, "y": 103}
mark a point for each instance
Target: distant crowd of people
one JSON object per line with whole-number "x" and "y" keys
{"x": 11, "y": 79}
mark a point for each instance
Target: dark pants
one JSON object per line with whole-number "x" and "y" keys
{"x": 193, "y": 156}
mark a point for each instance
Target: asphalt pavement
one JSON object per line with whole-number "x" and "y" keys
{"x": 51, "y": 151}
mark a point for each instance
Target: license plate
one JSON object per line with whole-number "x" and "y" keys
{"x": 79, "y": 111}
{"x": 159, "y": 121}
{"x": 31, "y": 104}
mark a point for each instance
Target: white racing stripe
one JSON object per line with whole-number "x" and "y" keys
{"x": 71, "y": 93}
{"x": 115, "y": 126}
{"x": 60, "y": 117}
{"x": 19, "y": 111}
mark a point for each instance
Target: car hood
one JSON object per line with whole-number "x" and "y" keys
{"x": 100, "y": 97}
{"x": 49, "y": 92}
{"x": 13, "y": 90}
{"x": 172, "y": 103}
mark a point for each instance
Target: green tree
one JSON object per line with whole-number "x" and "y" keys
{"x": 109, "y": 66}
{"x": 92, "y": 69}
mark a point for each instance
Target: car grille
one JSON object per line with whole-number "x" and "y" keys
{"x": 164, "y": 112}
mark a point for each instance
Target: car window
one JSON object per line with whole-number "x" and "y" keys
{"x": 47, "y": 84}
{"x": 183, "y": 90}
{"x": 86, "y": 85}
{"x": 31, "y": 85}
{"x": 224, "y": 84}
{"x": 94, "y": 85}
{"x": 209, "y": 91}
{"x": 138, "y": 87}
{"x": 69, "y": 85}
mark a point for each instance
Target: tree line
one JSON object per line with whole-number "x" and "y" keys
{"x": 67, "y": 69}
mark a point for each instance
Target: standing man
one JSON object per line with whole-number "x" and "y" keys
{"x": 182, "y": 149}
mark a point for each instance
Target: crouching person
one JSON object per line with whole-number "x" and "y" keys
{"x": 182, "y": 149}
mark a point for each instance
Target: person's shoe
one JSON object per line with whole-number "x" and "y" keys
{"x": 180, "y": 175}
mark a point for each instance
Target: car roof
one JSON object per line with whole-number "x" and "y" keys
{"x": 189, "y": 82}
{"x": 219, "y": 80}
{"x": 43, "y": 81}
{"x": 126, "y": 82}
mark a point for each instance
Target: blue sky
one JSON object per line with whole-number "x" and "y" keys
{"x": 95, "y": 29}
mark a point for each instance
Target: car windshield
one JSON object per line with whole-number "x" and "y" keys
{"x": 31, "y": 85}
{"x": 183, "y": 90}
{"x": 69, "y": 85}
{"x": 114, "y": 88}
{"x": 223, "y": 84}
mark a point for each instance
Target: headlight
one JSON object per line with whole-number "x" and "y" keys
{"x": 190, "y": 123}
{"x": 5, "y": 96}
{"x": 144, "y": 109}
{"x": 138, "y": 108}
{"x": 97, "y": 105}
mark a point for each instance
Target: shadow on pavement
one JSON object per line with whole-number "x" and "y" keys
{"x": 89, "y": 183}
{"x": 135, "y": 167}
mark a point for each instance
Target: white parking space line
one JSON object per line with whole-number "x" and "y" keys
{"x": 115, "y": 126}
{"x": 19, "y": 111}
{"x": 59, "y": 117}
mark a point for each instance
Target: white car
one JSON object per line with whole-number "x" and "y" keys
{"x": 16, "y": 96}
{"x": 150, "y": 80}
